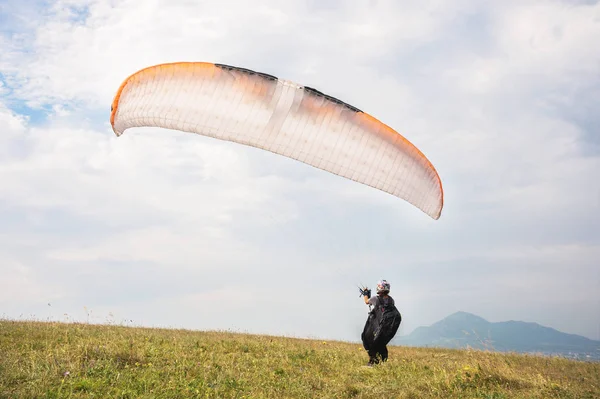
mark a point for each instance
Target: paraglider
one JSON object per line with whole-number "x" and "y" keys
{"x": 382, "y": 323}
{"x": 260, "y": 110}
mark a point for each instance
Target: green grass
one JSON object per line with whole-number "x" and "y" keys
{"x": 57, "y": 360}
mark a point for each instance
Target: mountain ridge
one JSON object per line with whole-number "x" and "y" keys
{"x": 462, "y": 330}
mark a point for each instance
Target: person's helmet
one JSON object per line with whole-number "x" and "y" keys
{"x": 383, "y": 286}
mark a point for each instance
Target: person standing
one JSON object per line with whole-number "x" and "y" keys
{"x": 382, "y": 323}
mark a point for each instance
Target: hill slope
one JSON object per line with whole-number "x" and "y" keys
{"x": 78, "y": 361}
{"x": 461, "y": 330}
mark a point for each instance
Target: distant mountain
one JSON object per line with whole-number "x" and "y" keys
{"x": 466, "y": 330}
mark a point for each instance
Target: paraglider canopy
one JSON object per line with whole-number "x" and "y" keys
{"x": 260, "y": 110}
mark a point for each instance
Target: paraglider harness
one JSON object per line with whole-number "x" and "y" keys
{"x": 382, "y": 323}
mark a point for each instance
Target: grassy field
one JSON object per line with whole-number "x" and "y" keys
{"x": 55, "y": 360}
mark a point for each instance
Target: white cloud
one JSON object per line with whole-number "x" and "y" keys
{"x": 12, "y": 122}
{"x": 475, "y": 86}
{"x": 20, "y": 285}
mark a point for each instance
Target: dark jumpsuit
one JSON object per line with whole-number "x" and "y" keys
{"x": 379, "y": 346}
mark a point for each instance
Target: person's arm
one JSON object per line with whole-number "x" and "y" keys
{"x": 372, "y": 302}
{"x": 366, "y": 294}
{"x": 367, "y": 299}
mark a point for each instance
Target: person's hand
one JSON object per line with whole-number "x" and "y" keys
{"x": 365, "y": 292}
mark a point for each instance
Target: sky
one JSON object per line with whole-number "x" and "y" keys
{"x": 161, "y": 228}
